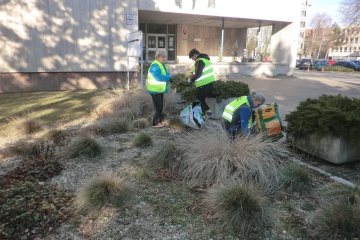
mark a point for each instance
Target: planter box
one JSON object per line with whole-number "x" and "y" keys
{"x": 218, "y": 108}
{"x": 337, "y": 150}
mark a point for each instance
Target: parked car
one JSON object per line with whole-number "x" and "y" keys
{"x": 348, "y": 64}
{"x": 357, "y": 68}
{"x": 319, "y": 63}
{"x": 305, "y": 64}
{"x": 297, "y": 63}
{"x": 357, "y": 62}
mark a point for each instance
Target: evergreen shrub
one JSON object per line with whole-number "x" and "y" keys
{"x": 226, "y": 89}
{"x": 337, "y": 115}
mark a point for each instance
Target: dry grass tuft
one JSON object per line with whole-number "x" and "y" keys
{"x": 339, "y": 213}
{"x": 168, "y": 156}
{"x": 84, "y": 146}
{"x": 295, "y": 177}
{"x": 102, "y": 192}
{"x": 176, "y": 123}
{"x": 25, "y": 125}
{"x": 140, "y": 123}
{"x": 135, "y": 104}
{"x": 31, "y": 149}
{"x": 212, "y": 157}
{"x": 142, "y": 139}
{"x": 241, "y": 207}
{"x": 57, "y": 136}
{"x": 170, "y": 105}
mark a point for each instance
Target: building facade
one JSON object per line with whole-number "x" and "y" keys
{"x": 55, "y": 45}
{"x": 305, "y": 5}
{"x": 349, "y": 48}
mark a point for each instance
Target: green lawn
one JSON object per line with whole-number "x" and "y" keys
{"x": 49, "y": 106}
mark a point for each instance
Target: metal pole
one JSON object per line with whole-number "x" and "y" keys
{"x": 222, "y": 40}
{"x": 257, "y": 41}
{"x": 128, "y": 74}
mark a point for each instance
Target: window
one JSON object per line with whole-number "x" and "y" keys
{"x": 349, "y": 49}
{"x": 340, "y": 50}
{"x": 303, "y": 13}
{"x": 345, "y": 49}
{"x": 356, "y": 40}
{"x": 302, "y": 24}
{"x": 301, "y": 35}
{"x": 354, "y": 50}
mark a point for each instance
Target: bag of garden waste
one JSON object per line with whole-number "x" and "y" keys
{"x": 268, "y": 120}
{"x": 191, "y": 116}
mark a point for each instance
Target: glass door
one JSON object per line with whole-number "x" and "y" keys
{"x": 155, "y": 43}
{"x": 171, "y": 49}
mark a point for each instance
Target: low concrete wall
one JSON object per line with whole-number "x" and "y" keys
{"x": 333, "y": 149}
{"x": 238, "y": 70}
{"x": 22, "y": 82}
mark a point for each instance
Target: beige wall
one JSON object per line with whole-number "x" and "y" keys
{"x": 65, "y": 35}
{"x": 23, "y": 82}
{"x": 210, "y": 41}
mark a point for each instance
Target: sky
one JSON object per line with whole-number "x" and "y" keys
{"x": 327, "y": 6}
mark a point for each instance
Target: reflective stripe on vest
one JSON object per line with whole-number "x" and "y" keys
{"x": 207, "y": 75}
{"x": 152, "y": 84}
{"x": 232, "y": 106}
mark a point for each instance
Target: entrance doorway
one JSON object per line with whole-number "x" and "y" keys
{"x": 157, "y": 42}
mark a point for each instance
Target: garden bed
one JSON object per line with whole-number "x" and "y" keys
{"x": 167, "y": 205}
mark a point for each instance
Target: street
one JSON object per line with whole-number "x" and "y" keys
{"x": 289, "y": 91}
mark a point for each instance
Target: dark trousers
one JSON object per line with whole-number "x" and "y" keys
{"x": 158, "y": 101}
{"x": 202, "y": 93}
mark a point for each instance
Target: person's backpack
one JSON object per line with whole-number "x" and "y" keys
{"x": 191, "y": 116}
{"x": 268, "y": 120}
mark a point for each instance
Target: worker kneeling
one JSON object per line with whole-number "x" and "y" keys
{"x": 238, "y": 115}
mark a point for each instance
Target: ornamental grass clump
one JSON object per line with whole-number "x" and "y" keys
{"x": 241, "y": 207}
{"x": 32, "y": 149}
{"x": 295, "y": 177}
{"x": 138, "y": 103}
{"x": 176, "y": 123}
{"x": 140, "y": 123}
{"x": 142, "y": 139}
{"x": 114, "y": 125}
{"x": 84, "y": 146}
{"x": 104, "y": 191}
{"x": 26, "y": 125}
{"x": 168, "y": 156}
{"x": 339, "y": 213}
{"x": 57, "y": 136}
{"x": 212, "y": 157}
{"x": 325, "y": 115}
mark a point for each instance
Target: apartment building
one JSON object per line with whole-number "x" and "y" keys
{"x": 305, "y": 5}
{"x": 349, "y": 48}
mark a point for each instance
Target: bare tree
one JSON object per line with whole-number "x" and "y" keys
{"x": 350, "y": 12}
{"x": 318, "y": 36}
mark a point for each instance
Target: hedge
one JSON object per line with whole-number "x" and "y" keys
{"x": 338, "y": 115}
{"x": 225, "y": 90}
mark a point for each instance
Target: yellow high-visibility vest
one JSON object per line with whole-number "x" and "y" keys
{"x": 207, "y": 75}
{"x": 233, "y": 105}
{"x": 154, "y": 85}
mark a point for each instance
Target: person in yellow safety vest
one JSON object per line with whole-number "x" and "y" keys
{"x": 203, "y": 77}
{"x": 238, "y": 115}
{"x": 157, "y": 83}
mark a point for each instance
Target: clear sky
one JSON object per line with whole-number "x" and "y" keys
{"x": 327, "y": 6}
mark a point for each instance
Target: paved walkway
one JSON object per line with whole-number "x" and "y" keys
{"x": 288, "y": 92}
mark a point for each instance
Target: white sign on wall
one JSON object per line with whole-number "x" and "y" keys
{"x": 135, "y": 44}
